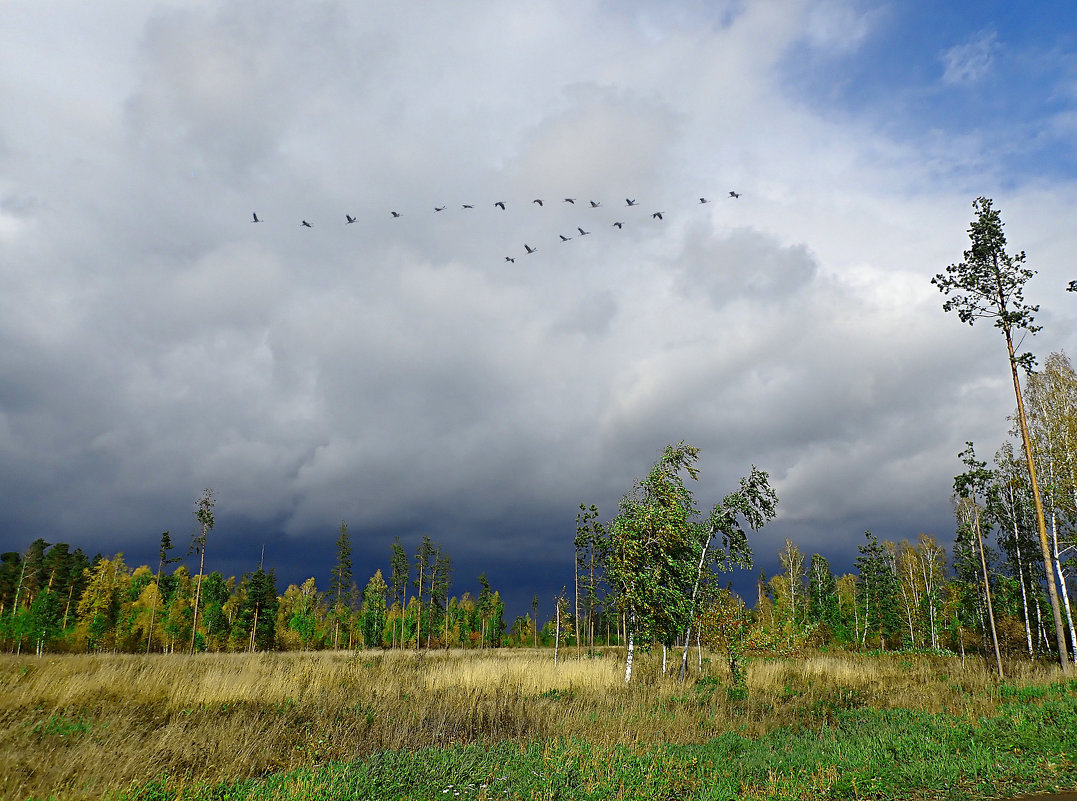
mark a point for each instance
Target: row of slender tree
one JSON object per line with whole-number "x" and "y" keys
{"x": 55, "y": 598}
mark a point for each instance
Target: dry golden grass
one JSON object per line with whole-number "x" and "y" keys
{"x": 79, "y": 725}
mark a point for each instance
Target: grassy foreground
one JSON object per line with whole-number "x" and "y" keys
{"x": 513, "y": 725}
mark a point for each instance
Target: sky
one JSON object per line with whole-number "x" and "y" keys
{"x": 402, "y": 375}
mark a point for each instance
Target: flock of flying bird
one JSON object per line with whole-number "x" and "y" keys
{"x": 594, "y": 204}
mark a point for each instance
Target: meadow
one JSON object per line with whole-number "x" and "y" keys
{"x": 511, "y": 723}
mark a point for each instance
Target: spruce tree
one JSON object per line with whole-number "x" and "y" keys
{"x": 340, "y": 583}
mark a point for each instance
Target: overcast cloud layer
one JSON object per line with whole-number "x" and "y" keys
{"x": 399, "y": 373}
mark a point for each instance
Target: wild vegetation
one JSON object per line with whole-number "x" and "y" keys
{"x": 920, "y": 671}
{"x": 167, "y": 725}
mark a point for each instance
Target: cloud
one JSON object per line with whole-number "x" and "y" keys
{"x": 399, "y": 373}
{"x": 967, "y": 63}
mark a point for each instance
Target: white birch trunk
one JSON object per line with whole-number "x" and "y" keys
{"x": 1062, "y": 583}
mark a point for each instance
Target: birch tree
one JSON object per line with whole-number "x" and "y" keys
{"x": 204, "y": 515}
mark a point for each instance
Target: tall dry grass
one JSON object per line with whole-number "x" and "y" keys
{"x": 77, "y": 726}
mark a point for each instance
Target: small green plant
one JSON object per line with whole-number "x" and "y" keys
{"x": 558, "y": 695}
{"x": 61, "y": 725}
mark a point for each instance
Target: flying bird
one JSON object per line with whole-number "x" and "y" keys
{"x": 703, "y": 200}
{"x": 501, "y": 204}
{"x": 595, "y": 205}
{"x": 306, "y": 224}
{"x": 349, "y": 218}
{"x": 619, "y": 224}
{"x": 536, "y": 200}
{"x": 509, "y": 258}
{"x": 734, "y": 194}
{"x": 582, "y": 232}
{"x": 571, "y": 200}
{"x": 564, "y": 238}
{"x": 466, "y": 206}
{"x": 630, "y": 202}
{"x": 395, "y": 213}
{"x": 529, "y": 249}
{"x": 255, "y": 215}
{"x": 439, "y": 208}
{"x": 657, "y": 215}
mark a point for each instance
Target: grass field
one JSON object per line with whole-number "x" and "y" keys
{"x": 510, "y": 723}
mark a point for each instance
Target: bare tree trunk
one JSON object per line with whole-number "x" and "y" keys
{"x": 1062, "y": 584}
{"x": 557, "y": 632}
{"x": 198, "y": 595}
{"x": 1041, "y": 526}
{"x": 576, "y": 608}
{"x": 699, "y": 651}
{"x": 153, "y": 610}
{"x": 631, "y": 651}
{"x": 987, "y": 591}
{"x": 1021, "y": 578}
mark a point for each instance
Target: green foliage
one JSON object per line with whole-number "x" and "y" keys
{"x": 989, "y": 283}
{"x": 893, "y": 754}
{"x": 372, "y": 617}
{"x": 878, "y": 587}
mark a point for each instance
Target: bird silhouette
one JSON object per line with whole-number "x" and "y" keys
{"x": 630, "y": 202}
{"x": 595, "y": 205}
{"x": 703, "y": 200}
{"x": 439, "y": 208}
{"x": 657, "y": 215}
{"x": 395, "y": 213}
{"x": 255, "y": 215}
{"x": 500, "y": 204}
{"x": 536, "y": 200}
{"x": 571, "y": 200}
{"x": 734, "y": 194}
{"x": 582, "y": 232}
{"x": 509, "y": 258}
{"x": 306, "y": 224}
{"x": 466, "y": 206}
{"x": 564, "y": 238}
{"x": 529, "y": 249}
{"x": 349, "y": 218}
{"x": 619, "y": 225}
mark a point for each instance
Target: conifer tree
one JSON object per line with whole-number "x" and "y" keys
{"x": 989, "y": 284}
{"x": 341, "y": 582}
{"x": 162, "y": 560}
{"x": 398, "y": 582}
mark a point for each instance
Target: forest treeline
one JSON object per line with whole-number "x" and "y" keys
{"x": 651, "y": 575}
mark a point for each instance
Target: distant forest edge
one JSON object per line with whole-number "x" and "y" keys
{"x": 649, "y": 576}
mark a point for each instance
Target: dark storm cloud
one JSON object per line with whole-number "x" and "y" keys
{"x": 398, "y": 372}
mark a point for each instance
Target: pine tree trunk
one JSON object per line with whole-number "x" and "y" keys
{"x": 1041, "y": 526}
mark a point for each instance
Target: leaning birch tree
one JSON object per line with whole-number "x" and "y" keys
{"x": 658, "y": 548}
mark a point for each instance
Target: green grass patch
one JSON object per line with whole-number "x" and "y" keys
{"x": 1026, "y": 747}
